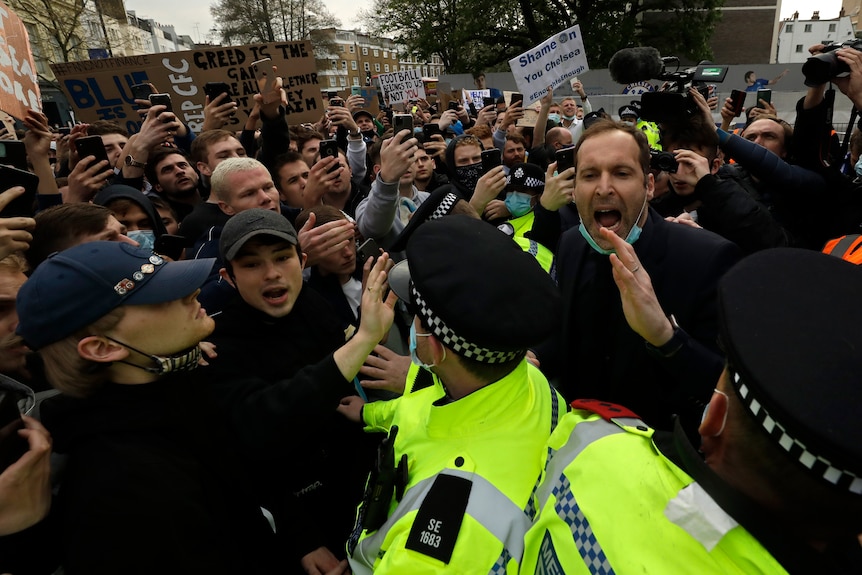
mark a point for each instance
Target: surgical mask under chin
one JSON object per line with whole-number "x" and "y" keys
{"x": 146, "y": 238}
{"x": 413, "y": 356}
{"x": 627, "y": 122}
{"x": 468, "y": 176}
{"x": 858, "y": 167}
{"x": 631, "y": 238}
{"x": 185, "y": 360}
{"x": 568, "y": 118}
{"x": 518, "y": 203}
{"x": 555, "y": 118}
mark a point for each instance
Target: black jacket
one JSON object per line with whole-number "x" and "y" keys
{"x": 153, "y": 484}
{"x": 310, "y": 462}
{"x": 603, "y": 358}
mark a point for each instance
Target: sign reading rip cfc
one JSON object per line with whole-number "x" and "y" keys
{"x": 402, "y": 86}
{"x": 19, "y": 86}
{"x": 101, "y": 89}
{"x": 550, "y": 64}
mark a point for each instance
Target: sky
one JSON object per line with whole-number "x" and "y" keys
{"x": 192, "y": 17}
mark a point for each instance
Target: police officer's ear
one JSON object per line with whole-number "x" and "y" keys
{"x": 438, "y": 351}
{"x": 715, "y": 416}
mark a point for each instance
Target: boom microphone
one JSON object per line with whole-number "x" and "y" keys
{"x": 631, "y": 65}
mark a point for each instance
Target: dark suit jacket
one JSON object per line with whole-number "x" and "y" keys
{"x": 603, "y": 358}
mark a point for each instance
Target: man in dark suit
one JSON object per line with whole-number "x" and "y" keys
{"x": 639, "y": 326}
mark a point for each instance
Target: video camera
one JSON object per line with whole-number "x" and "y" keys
{"x": 825, "y": 66}
{"x": 671, "y": 103}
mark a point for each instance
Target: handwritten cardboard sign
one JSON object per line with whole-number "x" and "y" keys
{"x": 402, "y": 86}
{"x": 550, "y": 64}
{"x": 101, "y": 89}
{"x": 19, "y": 85}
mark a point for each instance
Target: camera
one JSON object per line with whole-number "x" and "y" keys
{"x": 672, "y": 103}
{"x": 823, "y": 67}
{"x": 663, "y": 161}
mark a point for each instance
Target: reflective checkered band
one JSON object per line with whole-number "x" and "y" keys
{"x": 455, "y": 342}
{"x": 795, "y": 448}
{"x": 499, "y": 568}
{"x": 570, "y": 512}
{"x": 528, "y": 182}
{"x": 534, "y": 248}
{"x": 444, "y": 207}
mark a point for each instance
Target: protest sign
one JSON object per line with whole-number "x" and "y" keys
{"x": 19, "y": 86}
{"x": 369, "y": 94}
{"x": 549, "y": 64}
{"x": 101, "y": 89}
{"x": 402, "y": 86}
{"x": 476, "y": 96}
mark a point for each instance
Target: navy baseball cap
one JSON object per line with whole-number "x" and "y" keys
{"x": 74, "y": 288}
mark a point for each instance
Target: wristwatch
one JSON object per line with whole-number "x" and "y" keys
{"x": 673, "y": 345}
{"x": 131, "y": 162}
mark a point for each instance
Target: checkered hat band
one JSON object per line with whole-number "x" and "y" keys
{"x": 527, "y": 183}
{"x": 455, "y": 342}
{"x": 444, "y": 207}
{"x": 795, "y": 448}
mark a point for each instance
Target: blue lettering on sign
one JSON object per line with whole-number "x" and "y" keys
{"x": 87, "y": 93}
{"x": 540, "y": 52}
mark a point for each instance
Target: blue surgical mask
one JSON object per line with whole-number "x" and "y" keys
{"x": 146, "y": 238}
{"x": 518, "y": 203}
{"x": 858, "y": 167}
{"x": 569, "y": 118}
{"x": 555, "y": 118}
{"x": 631, "y": 238}
{"x": 413, "y": 357}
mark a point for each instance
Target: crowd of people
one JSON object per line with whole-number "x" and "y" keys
{"x": 575, "y": 345}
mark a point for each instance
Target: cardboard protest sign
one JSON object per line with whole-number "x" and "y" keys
{"x": 550, "y": 64}
{"x": 19, "y": 85}
{"x": 101, "y": 89}
{"x": 402, "y": 86}
{"x": 475, "y": 96}
{"x": 7, "y": 122}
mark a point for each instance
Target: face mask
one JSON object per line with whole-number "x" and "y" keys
{"x": 627, "y": 122}
{"x": 469, "y": 175}
{"x": 518, "y": 203}
{"x": 631, "y": 238}
{"x": 858, "y": 167}
{"x": 568, "y": 118}
{"x": 146, "y": 238}
{"x": 555, "y": 118}
{"x": 413, "y": 357}
{"x": 185, "y": 360}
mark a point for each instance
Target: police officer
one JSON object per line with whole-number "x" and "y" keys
{"x": 781, "y": 486}
{"x": 475, "y": 417}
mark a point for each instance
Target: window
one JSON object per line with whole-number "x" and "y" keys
{"x": 386, "y": 67}
{"x": 353, "y": 64}
{"x": 376, "y": 67}
{"x": 355, "y": 81}
{"x": 376, "y": 53}
{"x": 832, "y": 27}
{"x": 808, "y": 27}
{"x": 344, "y": 64}
{"x": 332, "y": 81}
{"x": 799, "y": 48}
{"x": 352, "y": 48}
{"x": 365, "y": 51}
{"x": 788, "y": 28}
{"x": 342, "y": 81}
{"x": 334, "y": 64}
{"x": 394, "y": 56}
{"x": 367, "y": 67}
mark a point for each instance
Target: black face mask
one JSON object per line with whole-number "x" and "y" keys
{"x": 469, "y": 176}
{"x": 185, "y": 360}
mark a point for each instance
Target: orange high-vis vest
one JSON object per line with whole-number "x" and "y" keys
{"x": 846, "y": 248}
